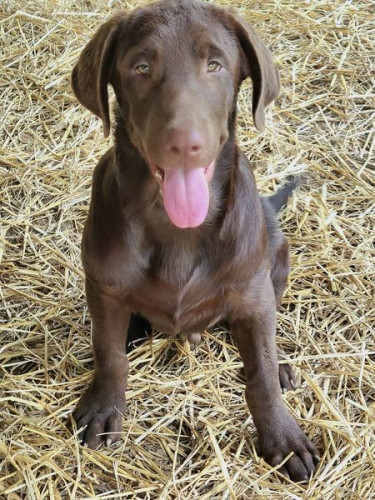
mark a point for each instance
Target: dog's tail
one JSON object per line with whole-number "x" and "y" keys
{"x": 279, "y": 199}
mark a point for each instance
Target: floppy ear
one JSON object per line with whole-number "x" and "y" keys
{"x": 257, "y": 63}
{"x": 92, "y": 72}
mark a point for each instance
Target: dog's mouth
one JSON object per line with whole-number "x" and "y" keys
{"x": 185, "y": 193}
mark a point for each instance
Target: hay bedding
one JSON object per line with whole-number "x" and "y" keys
{"x": 188, "y": 433}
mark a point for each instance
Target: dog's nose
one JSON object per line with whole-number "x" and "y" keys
{"x": 184, "y": 145}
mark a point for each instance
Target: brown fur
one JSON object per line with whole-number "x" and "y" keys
{"x": 234, "y": 266}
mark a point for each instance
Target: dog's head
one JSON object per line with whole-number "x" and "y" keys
{"x": 176, "y": 67}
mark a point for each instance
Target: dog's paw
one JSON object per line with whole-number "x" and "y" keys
{"x": 99, "y": 415}
{"x": 278, "y": 441}
{"x": 287, "y": 377}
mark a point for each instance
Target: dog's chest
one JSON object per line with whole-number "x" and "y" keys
{"x": 178, "y": 294}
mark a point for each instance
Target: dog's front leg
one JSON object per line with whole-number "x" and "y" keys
{"x": 279, "y": 433}
{"x": 100, "y": 410}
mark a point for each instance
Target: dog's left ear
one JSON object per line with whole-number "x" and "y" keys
{"x": 92, "y": 72}
{"x": 256, "y": 63}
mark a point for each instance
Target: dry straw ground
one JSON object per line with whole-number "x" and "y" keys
{"x": 187, "y": 432}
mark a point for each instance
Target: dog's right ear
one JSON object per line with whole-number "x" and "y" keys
{"x": 92, "y": 72}
{"x": 258, "y": 64}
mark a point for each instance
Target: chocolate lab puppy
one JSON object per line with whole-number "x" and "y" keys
{"x": 176, "y": 230}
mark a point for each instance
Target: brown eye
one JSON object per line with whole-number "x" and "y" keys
{"x": 213, "y": 66}
{"x": 143, "y": 69}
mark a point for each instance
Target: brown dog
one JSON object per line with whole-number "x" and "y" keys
{"x": 176, "y": 230}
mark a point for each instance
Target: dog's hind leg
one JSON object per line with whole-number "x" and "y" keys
{"x": 279, "y": 276}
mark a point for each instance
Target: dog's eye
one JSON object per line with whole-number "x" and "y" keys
{"x": 143, "y": 69}
{"x": 213, "y": 66}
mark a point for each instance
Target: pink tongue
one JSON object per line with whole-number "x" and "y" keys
{"x": 185, "y": 196}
